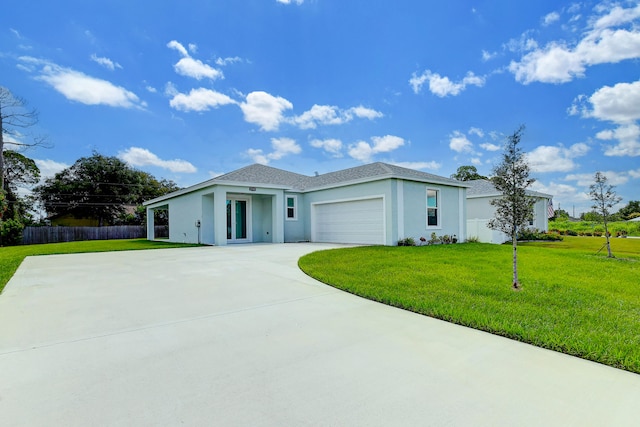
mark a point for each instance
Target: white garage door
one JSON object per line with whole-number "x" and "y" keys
{"x": 356, "y": 221}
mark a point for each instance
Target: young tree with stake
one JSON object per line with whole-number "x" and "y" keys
{"x": 513, "y": 208}
{"x": 604, "y": 198}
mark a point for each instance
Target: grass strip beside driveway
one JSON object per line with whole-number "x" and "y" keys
{"x": 11, "y": 256}
{"x": 572, "y": 301}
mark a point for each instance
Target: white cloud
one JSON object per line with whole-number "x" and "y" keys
{"x": 365, "y": 113}
{"x": 48, "y": 168}
{"x": 195, "y": 68}
{"x": 561, "y": 62}
{"x": 364, "y": 151}
{"x": 635, "y": 173}
{"x": 487, "y": 56}
{"x": 332, "y": 115}
{"x": 617, "y": 104}
{"x": 290, "y": 1}
{"x": 226, "y": 61}
{"x": 151, "y": 89}
{"x": 476, "y": 131}
{"x": 546, "y": 158}
{"x": 265, "y": 110}
{"x": 628, "y": 137}
{"x": 331, "y": 146}
{"x": 173, "y": 44}
{"x": 476, "y": 161}
{"x": 281, "y": 147}
{"x": 136, "y": 156}
{"x": 489, "y": 147}
{"x": 550, "y": 18}
{"x": 458, "y": 142}
{"x": 443, "y": 86}
{"x": 586, "y": 179}
{"x": 190, "y": 67}
{"x": 419, "y": 165}
{"x": 319, "y": 114}
{"x": 105, "y": 62}
{"x": 200, "y": 99}
{"x": 77, "y": 86}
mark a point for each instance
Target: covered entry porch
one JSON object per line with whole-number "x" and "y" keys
{"x": 224, "y": 215}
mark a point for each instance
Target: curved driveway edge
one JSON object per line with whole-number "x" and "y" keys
{"x": 238, "y": 335}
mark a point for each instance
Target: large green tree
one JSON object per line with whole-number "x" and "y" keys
{"x": 150, "y": 189}
{"x": 467, "y": 173}
{"x": 100, "y": 187}
{"x": 97, "y": 187}
{"x": 513, "y": 208}
{"x": 19, "y": 171}
{"x": 604, "y": 198}
{"x": 633, "y": 207}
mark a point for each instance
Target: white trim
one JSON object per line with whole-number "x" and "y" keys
{"x": 400, "y": 202}
{"x": 438, "y": 208}
{"x": 295, "y": 207}
{"x": 312, "y": 216}
{"x": 249, "y": 224}
{"x": 461, "y": 217}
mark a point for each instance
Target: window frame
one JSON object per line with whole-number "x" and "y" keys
{"x": 294, "y": 207}
{"x": 438, "y": 208}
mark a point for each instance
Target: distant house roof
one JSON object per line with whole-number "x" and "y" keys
{"x": 485, "y": 188}
{"x": 261, "y": 175}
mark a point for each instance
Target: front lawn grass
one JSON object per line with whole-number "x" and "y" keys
{"x": 572, "y": 300}
{"x": 11, "y": 256}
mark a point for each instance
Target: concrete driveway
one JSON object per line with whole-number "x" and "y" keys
{"x": 237, "y": 335}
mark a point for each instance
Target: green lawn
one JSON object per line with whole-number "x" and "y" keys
{"x": 572, "y": 301}
{"x": 11, "y": 256}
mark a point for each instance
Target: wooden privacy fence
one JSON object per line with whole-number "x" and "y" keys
{"x": 34, "y": 235}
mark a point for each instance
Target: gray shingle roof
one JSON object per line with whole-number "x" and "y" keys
{"x": 260, "y": 174}
{"x": 483, "y": 187}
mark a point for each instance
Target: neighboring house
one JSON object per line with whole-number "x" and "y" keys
{"x": 69, "y": 220}
{"x": 479, "y": 211}
{"x": 373, "y": 204}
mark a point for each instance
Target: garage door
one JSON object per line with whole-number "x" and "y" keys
{"x": 357, "y": 221}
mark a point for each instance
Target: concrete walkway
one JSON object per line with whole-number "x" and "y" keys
{"x": 239, "y": 336}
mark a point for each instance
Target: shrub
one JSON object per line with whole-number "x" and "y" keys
{"x": 473, "y": 239}
{"x": 11, "y": 231}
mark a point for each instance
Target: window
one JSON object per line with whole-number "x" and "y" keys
{"x": 292, "y": 209}
{"x": 433, "y": 208}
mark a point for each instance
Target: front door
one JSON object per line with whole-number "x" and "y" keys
{"x": 238, "y": 220}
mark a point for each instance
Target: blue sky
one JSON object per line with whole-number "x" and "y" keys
{"x": 190, "y": 90}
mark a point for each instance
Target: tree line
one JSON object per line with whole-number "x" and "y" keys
{"x": 103, "y": 188}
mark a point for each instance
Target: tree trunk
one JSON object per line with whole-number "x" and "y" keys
{"x": 606, "y": 234}
{"x": 516, "y": 284}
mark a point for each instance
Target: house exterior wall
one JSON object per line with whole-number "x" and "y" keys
{"x": 208, "y": 205}
{"x": 405, "y": 211}
{"x": 480, "y": 211}
{"x": 413, "y": 207}
{"x": 294, "y": 229}
{"x": 351, "y": 192}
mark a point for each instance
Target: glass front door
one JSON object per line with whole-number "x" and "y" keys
{"x": 238, "y": 220}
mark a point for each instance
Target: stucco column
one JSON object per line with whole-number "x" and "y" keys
{"x": 220, "y": 216}
{"x": 277, "y": 213}
{"x": 150, "y": 224}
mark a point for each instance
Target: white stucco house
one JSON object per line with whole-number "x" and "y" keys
{"x": 479, "y": 211}
{"x": 373, "y": 204}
